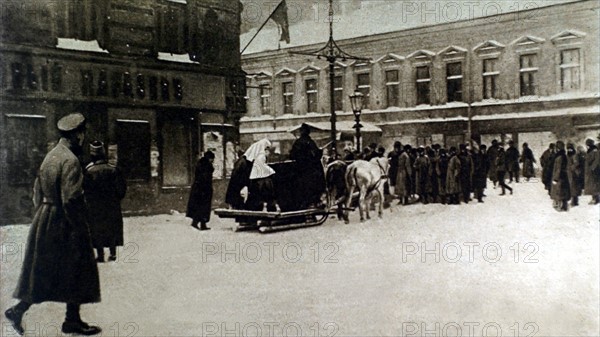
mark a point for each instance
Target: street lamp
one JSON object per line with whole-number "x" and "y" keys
{"x": 356, "y": 100}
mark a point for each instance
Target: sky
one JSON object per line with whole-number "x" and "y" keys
{"x": 353, "y": 18}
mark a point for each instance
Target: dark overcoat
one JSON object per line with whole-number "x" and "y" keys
{"x": 453, "y": 176}
{"x": 480, "y": 170}
{"x": 403, "y": 180}
{"x": 527, "y": 159}
{"x": 466, "y": 171}
{"x": 393, "y": 171}
{"x": 104, "y": 189}
{"x": 492, "y": 155}
{"x": 512, "y": 159}
{"x": 422, "y": 175}
{"x": 560, "y": 181}
{"x": 575, "y": 168}
{"x": 59, "y": 263}
{"x": 200, "y": 201}
{"x": 309, "y": 170}
{"x": 547, "y": 162}
{"x": 442, "y": 172}
{"x": 592, "y": 171}
{"x": 240, "y": 177}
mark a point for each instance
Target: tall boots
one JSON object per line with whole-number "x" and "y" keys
{"x": 72, "y": 323}
{"x": 202, "y": 227}
{"x": 15, "y": 316}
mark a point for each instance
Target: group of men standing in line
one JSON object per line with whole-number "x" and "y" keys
{"x": 568, "y": 171}
{"x": 451, "y": 176}
{"x": 76, "y": 210}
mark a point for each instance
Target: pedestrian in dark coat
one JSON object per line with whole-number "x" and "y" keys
{"x": 501, "y": 170}
{"x": 492, "y": 154}
{"x": 59, "y": 263}
{"x": 393, "y": 160}
{"x": 422, "y": 177}
{"x": 480, "y": 171}
{"x": 592, "y": 172}
{"x": 311, "y": 175}
{"x": 453, "y": 188}
{"x": 466, "y": 172}
{"x": 403, "y": 178}
{"x": 442, "y": 172}
{"x": 547, "y": 162}
{"x": 240, "y": 178}
{"x": 561, "y": 191}
{"x": 575, "y": 167}
{"x": 527, "y": 159}
{"x": 200, "y": 200}
{"x": 104, "y": 188}
{"x": 512, "y": 161}
{"x": 434, "y": 157}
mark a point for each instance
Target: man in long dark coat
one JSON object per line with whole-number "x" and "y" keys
{"x": 592, "y": 172}
{"x": 59, "y": 263}
{"x": 393, "y": 159}
{"x": 512, "y": 161}
{"x": 575, "y": 167}
{"x": 453, "y": 188}
{"x": 240, "y": 178}
{"x": 492, "y": 154}
{"x": 547, "y": 162}
{"x": 480, "y": 171}
{"x": 561, "y": 191}
{"x": 200, "y": 201}
{"x": 528, "y": 160}
{"x": 403, "y": 176}
{"x": 311, "y": 176}
{"x": 466, "y": 172}
{"x": 104, "y": 188}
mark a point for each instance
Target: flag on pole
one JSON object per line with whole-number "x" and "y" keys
{"x": 280, "y": 17}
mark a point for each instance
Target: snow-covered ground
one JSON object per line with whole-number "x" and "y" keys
{"x": 511, "y": 266}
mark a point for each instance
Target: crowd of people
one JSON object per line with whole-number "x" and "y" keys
{"x": 434, "y": 174}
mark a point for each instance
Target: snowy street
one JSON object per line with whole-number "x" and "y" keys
{"x": 512, "y": 266}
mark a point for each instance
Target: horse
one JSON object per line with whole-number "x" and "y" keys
{"x": 369, "y": 179}
{"x": 335, "y": 177}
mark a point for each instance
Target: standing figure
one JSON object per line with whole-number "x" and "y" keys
{"x": 422, "y": 177}
{"x": 59, "y": 263}
{"x": 104, "y": 188}
{"x": 592, "y": 172}
{"x": 393, "y": 160}
{"x": 547, "y": 162}
{"x": 453, "y": 188}
{"x": 434, "y": 156}
{"x": 575, "y": 167}
{"x": 512, "y": 161}
{"x": 492, "y": 154}
{"x": 527, "y": 159}
{"x": 311, "y": 175}
{"x": 561, "y": 191}
{"x": 501, "y": 168}
{"x": 442, "y": 172}
{"x": 466, "y": 172}
{"x": 480, "y": 171}
{"x": 403, "y": 176}
{"x": 261, "y": 192}
{"x": 200, "y": 201}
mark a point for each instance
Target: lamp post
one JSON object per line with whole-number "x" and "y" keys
{"x": 331, "y": 52}
{"x": 357, "y": 101}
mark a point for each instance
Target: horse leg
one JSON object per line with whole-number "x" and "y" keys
{"x": 348, "y": 204}
{"x": 381, "y": 196}
{"x": 362, "y": 204}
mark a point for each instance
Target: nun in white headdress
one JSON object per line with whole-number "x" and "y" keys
{"x": 261, "y": 190}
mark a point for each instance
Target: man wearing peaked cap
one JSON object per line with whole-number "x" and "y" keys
{"x": 58, "y": 264}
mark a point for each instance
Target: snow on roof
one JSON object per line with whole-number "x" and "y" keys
{"x": 544, "y": 113}
{"x": 181, "y": 58}
{"x": 74, "y": 44}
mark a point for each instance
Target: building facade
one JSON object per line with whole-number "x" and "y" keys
{"x": 159, "y": 81}
{"x": 531, "y": 76}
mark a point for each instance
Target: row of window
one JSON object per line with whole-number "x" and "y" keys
{"x": 125, "y": 84}
{"x": 570, "y": 80}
